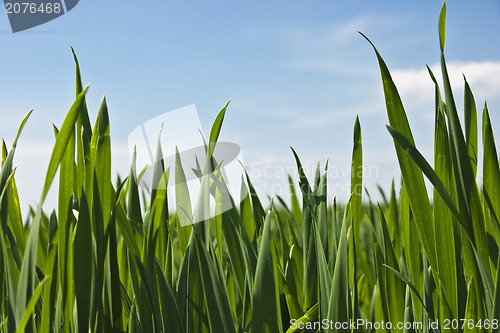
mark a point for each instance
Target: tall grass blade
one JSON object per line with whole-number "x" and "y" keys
{"x": 394, "y": 287}
{"x": 219, "y": 312}
{"x": 182, "y": 200}
{"x": 264, "y": 314}
{"x": 83, "y": 135}
{"x": 411, "y": 174}
{"x": 338, "y": 309}
{"x": 63, "y": 137}
{"x": 215, "y": 131}
{"x": 31, "y": 305}
{"x": 171, "y": 318}
{"x": 101, "y": 146}
{"x": 443, "y": 217}
{"x": 468, "y": 193}
{"x": 356, "y": 180}
{"x": 470, "y": 116}
{"x": 83, "y": 266}
{"x": 491, "y": 170}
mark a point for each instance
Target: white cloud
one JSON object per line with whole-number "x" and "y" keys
{"x": 338, "y": 48}
{"x": 483, "y": 77}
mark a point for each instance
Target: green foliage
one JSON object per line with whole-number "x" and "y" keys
{"x": 109, "y": 261}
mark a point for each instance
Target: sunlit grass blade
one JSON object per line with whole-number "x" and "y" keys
{"x": 158, "y": 170}
{"x": 356, "y": 180}
{"x": 63, "y": 137}
{"x": 15, "y": 220}
{"x": 50, "y": 291}
{"x": 11, "y": 215}
{"x": 471, "y": 309}
{"x": 468, "y": 193}
{"x": 323, "y": 276}
{"x": 412, "y": 287}
{"x": 411, "y": 174}
{"x": 443, "y": 217}
{"x": 8, "y": 159}
{"x": 338, "y": 309}
{"x": 394, "y": 287}
{"x": 264, "y": 315}
{"x": 420, "y": 161}
{"x": 235, "y": 242}
{"x": 308, "y": 244}
{"x": 83, "y": 135}
{"x": 8, "y": 268}
{"x": 297, "y": 214}
{"x": 246, "y": 211}
{"x": 27, "y": 274}
{"x": 182, "y": 199}
{"x": 322, "y": 210}
{"x": 66, "y": 224}
{"x": 130, "y": 238}
{"x": 470, "y": 116}
{"x": 219, "y": 312}
{"x": 31, "y": 305}
{"x": 215, "y": 131}
{"x": 258, "y": 210}
{"x": 170, "y": 312}
{"x": 491, "y": 170}
{"x": 482, "y": 272}
{"x": 101, "y": 154}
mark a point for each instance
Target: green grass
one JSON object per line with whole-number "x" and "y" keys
{"x": 106, "y": 260}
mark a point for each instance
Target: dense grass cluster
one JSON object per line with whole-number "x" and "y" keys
{"x": 108, "y": 260}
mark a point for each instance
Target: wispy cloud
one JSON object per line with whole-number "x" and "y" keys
{"x": 325, "y": 49}
{"x": 336, "y": 48}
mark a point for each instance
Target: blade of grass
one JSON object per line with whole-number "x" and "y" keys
{"x": 101, "y": 146}
{"x": 443, "y": 217}
{"x": 215, "y": 131}
{"x": 31, "y": 305}
{"x": 264, "y": 312}
{"x": 83, "y": 135}
{"x": 491, "y": 170}
{"x": 83, "y": 266}
{"x": 338, "y": 309}
{"x": 356, "y": 180}
{"x": 63, "y": 137}
{"x": 417, "y": 193}
{"x": 470, "y": 116}
{"x": 219, "y": 311}
{"x": 468, "y": 192}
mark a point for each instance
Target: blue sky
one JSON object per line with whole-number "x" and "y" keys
{"x": 297, "y": 72}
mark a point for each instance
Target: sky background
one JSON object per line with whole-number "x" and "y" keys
{"x": 297, "y": 73}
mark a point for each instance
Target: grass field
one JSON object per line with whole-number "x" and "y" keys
{"x": 113, "y": 258}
